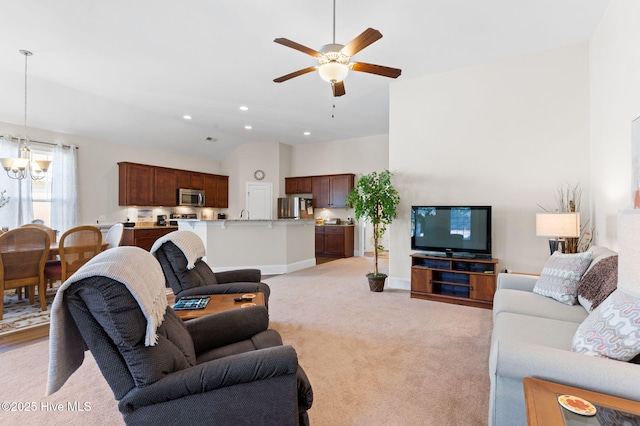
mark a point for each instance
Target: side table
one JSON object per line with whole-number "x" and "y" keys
{"x": 543, "y": 409}
{"x": 219, "y": 303}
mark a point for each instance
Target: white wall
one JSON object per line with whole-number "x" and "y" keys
{"x": 98, "y": 169}
{"x": 506, "y": 134}
{"x": 615, "y": 103}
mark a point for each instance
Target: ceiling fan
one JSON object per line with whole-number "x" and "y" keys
{"x": 334, "y": 59}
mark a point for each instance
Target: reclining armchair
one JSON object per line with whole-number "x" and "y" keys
{"x": 172, "y": 251}
{"x": 225, "y": 368}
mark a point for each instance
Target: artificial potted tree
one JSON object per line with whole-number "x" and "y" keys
{"x": 375, "y": 199}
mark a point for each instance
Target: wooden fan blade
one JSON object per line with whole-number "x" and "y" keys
{"x": 367, "y": 37}
{"x": 376, "y": 69}
{"x": 294, "y": 74}
{"x": 298, "y": 46}
{"x": 338, "y": 88}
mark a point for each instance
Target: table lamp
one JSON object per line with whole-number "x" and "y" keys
{"x": 559, "y": 226}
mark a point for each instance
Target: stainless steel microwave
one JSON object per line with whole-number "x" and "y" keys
{"x": 191, "y": 197}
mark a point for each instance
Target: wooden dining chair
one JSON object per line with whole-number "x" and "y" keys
{"x": 23, "y": 253}
{"x": 51, "y": 232}
{"x": 76, "y": 247}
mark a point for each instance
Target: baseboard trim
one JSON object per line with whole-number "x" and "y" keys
{"x": 273, "y": 269}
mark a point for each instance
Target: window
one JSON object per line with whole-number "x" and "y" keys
{"x": 41, "y": 189}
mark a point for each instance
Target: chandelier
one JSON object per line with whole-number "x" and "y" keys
{"x": 18, "y": 168}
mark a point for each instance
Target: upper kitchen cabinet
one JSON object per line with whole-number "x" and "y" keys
{"x": 136, "y": 185}
{"x": 297, "y": 185}
{"x": 216, "y": 190}
{"x": 331, "y": 191}
{"x": 165, "y": 184}
{"x": 190, "y": 180}
{"x": 144, "y": 185}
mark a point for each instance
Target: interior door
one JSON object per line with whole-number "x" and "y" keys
{"x": 260, "y": 200}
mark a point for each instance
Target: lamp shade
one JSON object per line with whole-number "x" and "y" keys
{"x": 333, "y": 71}
{"x": 558, "y": 225}
{"x": 629, "y": 252}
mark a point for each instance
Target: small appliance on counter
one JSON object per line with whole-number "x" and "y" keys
{"x": 191, "y": 216}
{"x": 332, "y": 221}
{"x": 295, "y": 208}
{"x": 162, "y": 220}
{"x": 222, "y": 215}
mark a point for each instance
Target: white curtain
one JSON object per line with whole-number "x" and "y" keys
{"x": 19, "y": 209}
{"x": 64, "y": 188}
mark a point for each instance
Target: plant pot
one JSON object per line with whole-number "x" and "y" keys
{"x": 376, "y": 283}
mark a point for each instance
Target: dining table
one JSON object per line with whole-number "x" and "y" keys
{"x": 54, "y": 249}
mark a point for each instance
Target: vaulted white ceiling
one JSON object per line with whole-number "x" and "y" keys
{"x": 126, "y": 71}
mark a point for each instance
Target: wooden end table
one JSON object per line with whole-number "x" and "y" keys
{"x": 543, "y": 409}
{"x": 219, "y": 303}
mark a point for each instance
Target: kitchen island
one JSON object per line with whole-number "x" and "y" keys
{"x": 274, "y": 246}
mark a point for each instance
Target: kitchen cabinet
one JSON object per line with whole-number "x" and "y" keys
{"x": 136, "y": 185}
{"x": 144, "y": 237}
{"x": 331, "y": 191}
{"x": 165, "y": 184}
{"x": 216, "y": 189}
{"x": 297, "y": 185}
{"x": 334, "y": 241}
{"x": 145, "y": 185}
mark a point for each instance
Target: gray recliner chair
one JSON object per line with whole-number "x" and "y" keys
{"x": 201, "y": 279}
{"x": 225, "y": 368}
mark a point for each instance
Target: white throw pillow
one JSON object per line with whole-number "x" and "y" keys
{"x": 612, "y": 330}
{"x": 560, "y": 276}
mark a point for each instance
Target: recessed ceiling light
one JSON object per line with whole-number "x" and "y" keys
{"x": 248, "y": 127}
{"x": 244, "y": 108}
{"x": 186, "y": 117}
{"x": 307, "y": 133}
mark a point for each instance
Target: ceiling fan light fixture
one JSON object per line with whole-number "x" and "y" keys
{"x": 333, "y": 71}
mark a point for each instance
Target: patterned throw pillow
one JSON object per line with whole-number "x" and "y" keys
{"x": 560, "y": 276}
{"x": 612, "y": 330}
{"x": 598, "y": 282}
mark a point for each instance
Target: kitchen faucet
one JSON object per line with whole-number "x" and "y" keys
{"x": 242, "y": 212}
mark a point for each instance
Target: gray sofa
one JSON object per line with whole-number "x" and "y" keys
{"x": 532, "y": 336}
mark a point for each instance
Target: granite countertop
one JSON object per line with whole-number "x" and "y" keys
{"x": 151, "y": 225}
{"x": 341, "y": 224}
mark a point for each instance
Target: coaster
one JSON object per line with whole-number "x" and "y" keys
{"x": 246, "y": 305}
{"x": 577, "y": 405}
{"x": 248, "y": 296}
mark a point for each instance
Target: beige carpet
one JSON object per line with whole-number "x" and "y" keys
{"x": 372, "y": 358}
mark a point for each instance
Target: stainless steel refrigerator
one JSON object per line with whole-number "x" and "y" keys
{"x": 295, "y": 208}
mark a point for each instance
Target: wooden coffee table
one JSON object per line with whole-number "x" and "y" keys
{"x": 219, "y": 303}
{"x": 543, "y": 409}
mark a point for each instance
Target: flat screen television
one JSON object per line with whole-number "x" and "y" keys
{"x": 452, "y": 230}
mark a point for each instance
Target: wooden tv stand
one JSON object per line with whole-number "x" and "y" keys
{"x": 462, "y": 281}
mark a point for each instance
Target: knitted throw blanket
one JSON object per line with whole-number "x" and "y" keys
{"x": 188, "y": 242}
{"x": 131, "y": 266}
